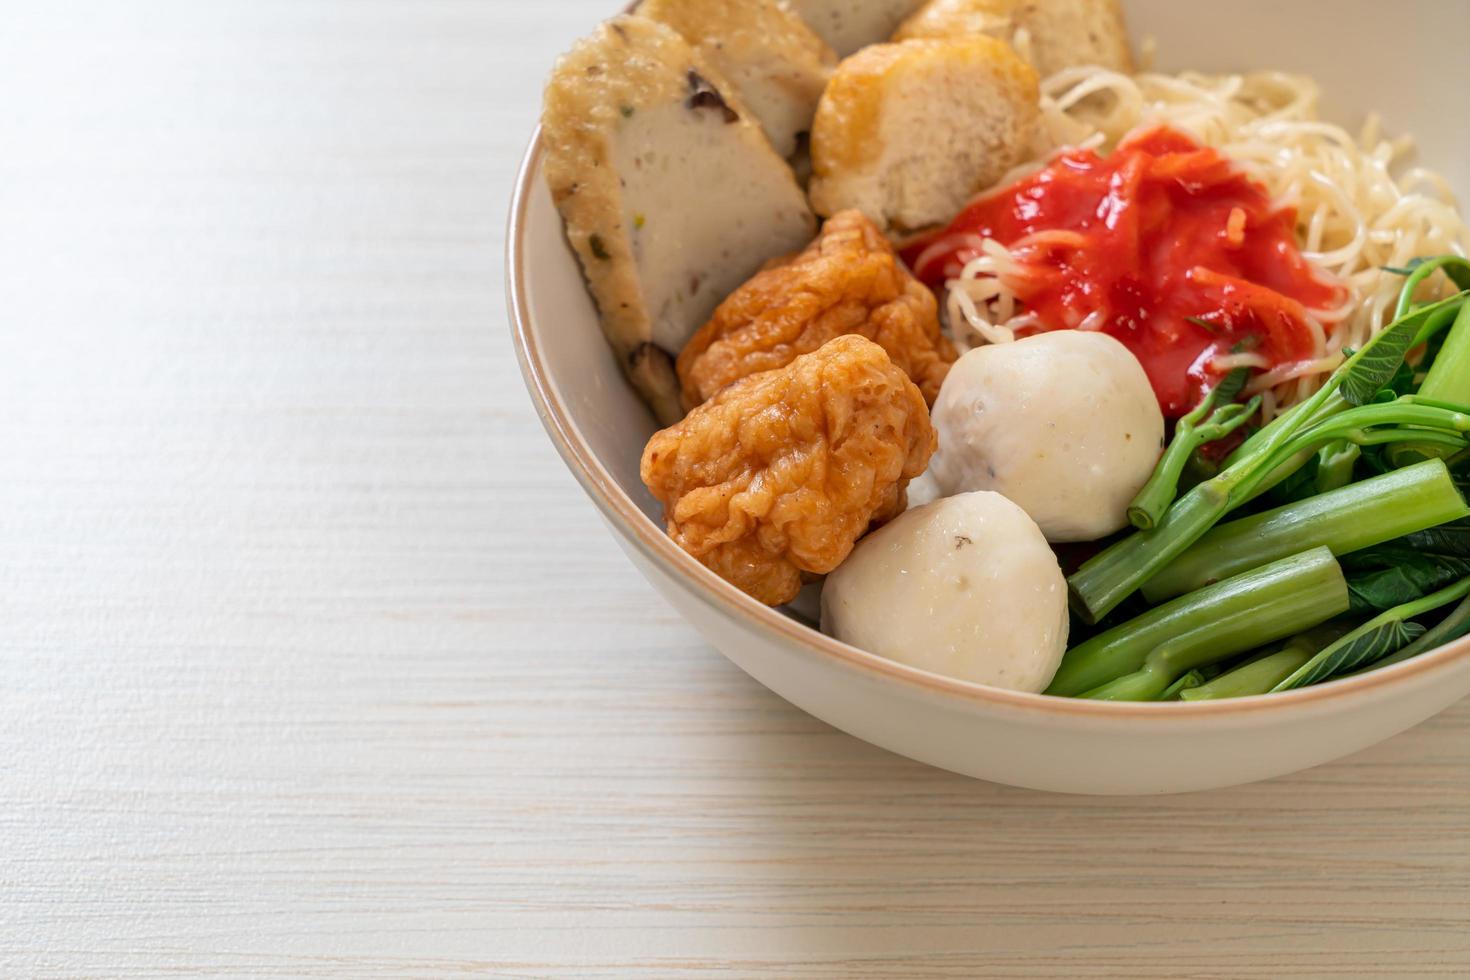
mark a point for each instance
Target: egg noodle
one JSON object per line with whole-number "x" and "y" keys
{"x": 1359, "y": 209}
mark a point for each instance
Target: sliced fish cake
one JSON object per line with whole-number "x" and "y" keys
{"x": 848, "y": 25}
{"x": 776, "y": 63}
{"x": 671, "y": 194}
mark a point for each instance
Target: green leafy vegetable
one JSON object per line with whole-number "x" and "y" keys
{"x": 1270, "y": 456}
{"x": 1375, "y": 365}
{"x": 1452, "y": 627}
{"x": 1364, "y": 645}
{"x": 1376, "y": 639}
{"x": 1393, "y": 574}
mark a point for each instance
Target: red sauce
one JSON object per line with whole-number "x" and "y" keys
{"x": 1161, "y": 230}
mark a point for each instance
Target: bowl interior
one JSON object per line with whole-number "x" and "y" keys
{"x": 1411, "y": 82}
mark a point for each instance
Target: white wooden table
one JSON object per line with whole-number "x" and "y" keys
{"x": 314, "y": 660}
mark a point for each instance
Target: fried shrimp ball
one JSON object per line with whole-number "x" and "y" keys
{"x": 848, "y": 281}
{"x": 780, "y": 473}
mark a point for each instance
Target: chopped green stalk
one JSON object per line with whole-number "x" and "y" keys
{"x": 1384, "y": 634}
{"x": 1260, "y": 674}
{"x": 1448, "y": 381}
{"x": 1209, "y": 421}
{"x": 1256, "y": 677}
{"x": 1161, "y": 668}
{"x": 1240, "y": 613}
{"x": 1359, "y": 515}
{"x": 1116, "y": 573}
{"x": 1452, "y": 627}
{"x": 1335, "y": 464}
{"x": 1188, "y": 682}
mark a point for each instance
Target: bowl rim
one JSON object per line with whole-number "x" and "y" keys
{"x": 726, "y": 599}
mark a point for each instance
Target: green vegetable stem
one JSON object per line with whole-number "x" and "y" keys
{"x": 1214, "y": 418}
{"x": 1256, "y": 677}
{"x": 1140, "y": 659}
{"x": 1260, "y": 674}
{"x": 1189, "y": 681}
{"x": 1335, "y": 463}
{"x": 1359, "y": 515}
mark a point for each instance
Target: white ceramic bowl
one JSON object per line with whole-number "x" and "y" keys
{"x": 1366, "y": 59}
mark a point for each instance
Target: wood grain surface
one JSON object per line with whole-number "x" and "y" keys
{"x": 314, "y": 661}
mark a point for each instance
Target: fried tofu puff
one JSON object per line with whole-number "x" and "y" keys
{"x": 780, "y": 473}
{"x": 1050, "y": 34}
{"x": 848, "y": 281}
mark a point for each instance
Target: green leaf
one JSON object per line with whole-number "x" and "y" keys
{"x": 1231, "y": 386}
{"x": 1370, "y": 642}
{"x": 1401, "y": 571}
{"x": 1402, "y": 383}
{"x": 1200, "y": 321}
{"x": 1376, "y": 364}
{"x": 1447, "y": 630}
{"x": 1447, "y": 539}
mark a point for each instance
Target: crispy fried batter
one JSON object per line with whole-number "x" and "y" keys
{"x": 848, "y": 281}
{"x": 782, "y": 472}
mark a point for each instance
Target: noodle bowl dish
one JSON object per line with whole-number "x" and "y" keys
{"x": 1022, "y": 385}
